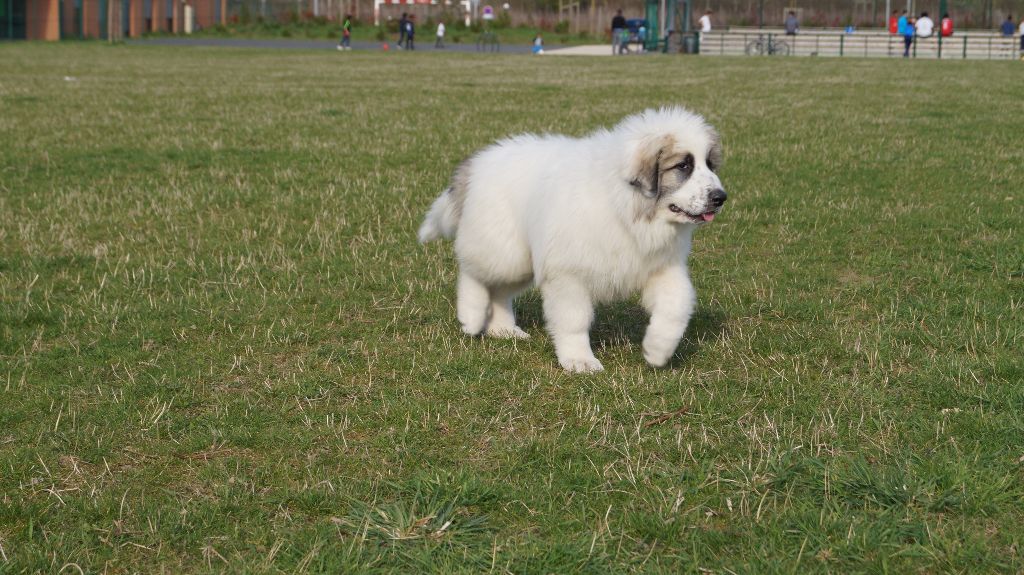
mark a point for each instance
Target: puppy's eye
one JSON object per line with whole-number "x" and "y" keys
{"x": 686, "y": 166}
{"x": 712, "y": 166}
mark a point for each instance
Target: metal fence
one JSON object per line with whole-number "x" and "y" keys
{"x": 774, "y": 42}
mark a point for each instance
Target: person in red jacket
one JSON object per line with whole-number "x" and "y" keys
{"x": 946, "y": 28}
{"x": 894, "y": 18}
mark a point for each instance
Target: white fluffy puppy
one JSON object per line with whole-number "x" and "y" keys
{"x": 586, "y": 220}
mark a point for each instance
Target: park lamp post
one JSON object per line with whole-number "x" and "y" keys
{"x": 941, "y": 15}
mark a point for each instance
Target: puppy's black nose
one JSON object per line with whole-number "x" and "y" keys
{"x": 717, "y": 197}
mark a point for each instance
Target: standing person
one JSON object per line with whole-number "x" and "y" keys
{"x": 894, "y": 22}
{"x": 1022, "y": 39}
{"x": 538, "y": 44}
{"x": 792, "y": 24}
{"x": 618, "y": 25}
{"x": 402, "y": 23}
{"x": 624, "y": 46}
{"x": 906, "y": 29}
{"x": 705, "y": 21}
{"x": 346, "y": 33}
{"x": 946, "y": 28}
{"x": 1008, "y": 28}
{"x": 440, "y": 35}
{"x": 924, "y": 26}
{"x": 410, "y": 32}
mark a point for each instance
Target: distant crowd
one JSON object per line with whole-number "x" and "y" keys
{"x": 905, "y": 25}
{"x": 908, "y": 27}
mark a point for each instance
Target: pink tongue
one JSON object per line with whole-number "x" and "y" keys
{"x": 708, "y": 216}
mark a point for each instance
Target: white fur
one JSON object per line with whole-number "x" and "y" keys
{"x": 570, "y": 216}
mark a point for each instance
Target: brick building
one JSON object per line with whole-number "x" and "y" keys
{"x": 59, "y": 19}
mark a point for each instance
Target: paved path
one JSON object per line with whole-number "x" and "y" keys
{"x": 590, "y": 50}
{"x": 595, "y": 50}
{"x": 311, "y": 44}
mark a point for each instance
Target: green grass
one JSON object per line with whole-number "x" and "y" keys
{"x": 222, "y": 349}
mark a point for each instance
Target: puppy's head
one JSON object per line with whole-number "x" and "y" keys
{"x": 673, "y": 159}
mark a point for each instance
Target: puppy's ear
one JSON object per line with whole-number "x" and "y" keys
{"x": 714, "y": 150}
{"x": 645, "y": 164}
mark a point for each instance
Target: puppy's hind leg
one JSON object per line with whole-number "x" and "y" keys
{"x": 503, "y": 317}
{"x": 569, "y": 311}
{"x": 473, "y": 304}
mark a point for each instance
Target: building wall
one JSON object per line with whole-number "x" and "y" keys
{"x": 158, "y": 21}
{"x": 42, "y": 20}
{"x": 67, "y": 21}
{"x": 56, "y": 19}
{"x": 203, "y": 13}
{"x": 175, "y": 17}
{"x": 90, "y": 18}
{"x": 136, "y": 19}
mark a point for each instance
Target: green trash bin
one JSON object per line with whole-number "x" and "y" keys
{"x": 691, "y": 43}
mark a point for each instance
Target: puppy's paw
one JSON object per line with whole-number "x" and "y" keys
{"x": 658, "y": 352}
{"x": 659, "y": 359}
{"x": 470, "y": 331}
{"x": 507, "y": 332}
{"x": 580, "y": 364}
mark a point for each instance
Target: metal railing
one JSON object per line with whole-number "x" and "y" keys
{"x": 968, "y": 46}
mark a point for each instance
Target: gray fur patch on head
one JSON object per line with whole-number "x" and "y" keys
{"x": 648, "y": 165}
{"x": 672, "y": 177}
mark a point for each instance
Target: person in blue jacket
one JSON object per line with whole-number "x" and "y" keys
{"x": 905, "y": 26}
{"x": 1008, "y": 28}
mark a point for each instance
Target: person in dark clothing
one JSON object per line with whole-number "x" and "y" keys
{"x": 618, "y": 25}
{"x": 401, "y": 29}
{"x": 410, "y": 33}
{"x": 792, "y": 24}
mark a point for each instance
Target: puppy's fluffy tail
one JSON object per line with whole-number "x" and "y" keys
{"x": 442, "y": 220}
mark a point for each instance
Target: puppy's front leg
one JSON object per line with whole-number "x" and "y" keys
{"x": 669, "y": 298}
{"x": 568, "y": 311}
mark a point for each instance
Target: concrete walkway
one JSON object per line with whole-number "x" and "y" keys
{"x": 591, "y": 50}
{"x": 308, "y": 44}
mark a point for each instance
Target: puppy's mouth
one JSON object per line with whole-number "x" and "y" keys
{"x": 698, "y": 218}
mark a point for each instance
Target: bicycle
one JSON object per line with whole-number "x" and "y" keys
{"x": 767, "y": 46}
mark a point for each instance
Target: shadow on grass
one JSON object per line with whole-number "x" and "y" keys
{"x": 624, "y": 323}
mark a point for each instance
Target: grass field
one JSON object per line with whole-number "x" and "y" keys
{"x": 222, "y": 349}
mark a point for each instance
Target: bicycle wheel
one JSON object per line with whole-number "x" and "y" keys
{"x": 781, "y": 49}
{"x": 755, "y": 48}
